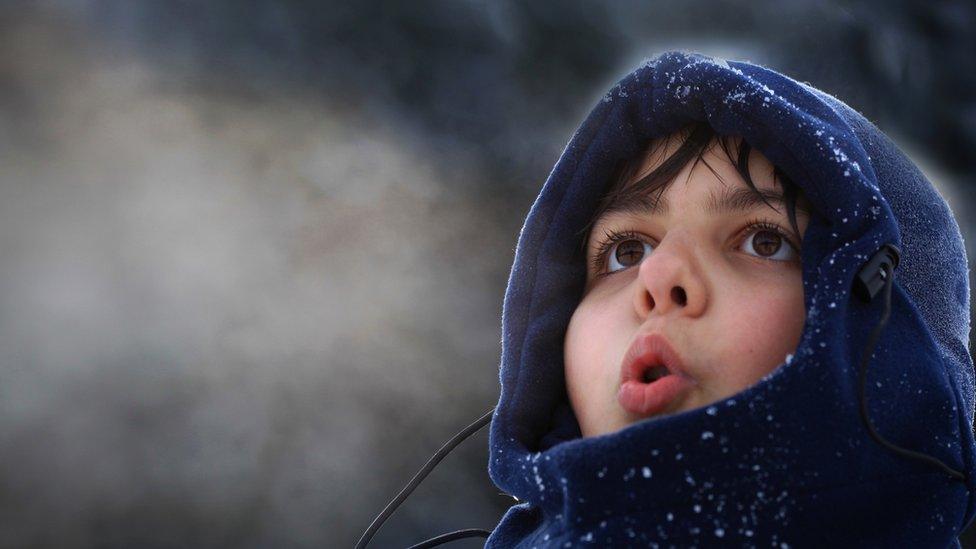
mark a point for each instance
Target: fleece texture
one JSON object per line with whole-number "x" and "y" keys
{"x": 787, "y": 462}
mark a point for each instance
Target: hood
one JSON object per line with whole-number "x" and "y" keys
{"x": 788, "y": 460}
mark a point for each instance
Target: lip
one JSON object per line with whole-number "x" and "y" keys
{"x": 643, "y": 398}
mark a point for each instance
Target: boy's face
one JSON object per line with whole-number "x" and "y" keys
{"x": 728, "y": 299}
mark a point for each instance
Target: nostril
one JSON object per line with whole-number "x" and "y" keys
{"x": 678, "y": 295}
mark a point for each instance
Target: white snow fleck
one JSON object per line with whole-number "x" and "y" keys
{"x": 538, "y": 479}
{"x": 670, "y": 517}
{"x": 711, "y": 410}
{"x": 646, "y": 471}
{"x": 707, "y": 435}
{"x": 738, "y": 97}
{"x": 832, "y": 304}
{"x": 719, "y": 532}
{"x": 649, "y": 62}
{"x": 697, "y": 508}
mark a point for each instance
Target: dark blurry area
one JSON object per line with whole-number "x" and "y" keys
{"x": 254, "y": 253}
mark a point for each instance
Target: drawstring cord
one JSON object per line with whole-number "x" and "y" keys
{"x": 417, "y": 479}
{"x": 444, "y": 538}
{"x": 880, "y": 269}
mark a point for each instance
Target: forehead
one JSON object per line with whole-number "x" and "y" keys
{"x": 714, "y": 182}
{"x": 714, "y": 167}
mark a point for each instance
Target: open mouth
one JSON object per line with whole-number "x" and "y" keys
{"x": 652, "y": 377}
{"x": 654, "y": 373}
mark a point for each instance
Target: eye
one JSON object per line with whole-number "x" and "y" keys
{"x": 767, "y": 242}
{"x": 627, "y": 253}
{"x": 618, "y": 251}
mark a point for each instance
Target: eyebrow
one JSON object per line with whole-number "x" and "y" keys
{"x": 726, "y": 202}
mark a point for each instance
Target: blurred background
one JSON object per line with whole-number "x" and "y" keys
{"x": 254, "y": 253}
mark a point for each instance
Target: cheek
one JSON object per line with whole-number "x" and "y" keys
{"x": 586, "y": 347}
{"x": 766, "y": 329}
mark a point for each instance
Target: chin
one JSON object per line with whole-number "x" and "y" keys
{"x": 611, "y": 424}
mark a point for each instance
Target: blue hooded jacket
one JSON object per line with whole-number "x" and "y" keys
{"x": 788, "y": 461}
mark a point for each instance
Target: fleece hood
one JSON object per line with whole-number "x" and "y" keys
{"x": 788, "y": 461}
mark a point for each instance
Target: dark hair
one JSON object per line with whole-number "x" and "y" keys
{"x": 699, "y": 136}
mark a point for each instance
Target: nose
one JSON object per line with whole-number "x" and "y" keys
{"x": 670, "y": 280}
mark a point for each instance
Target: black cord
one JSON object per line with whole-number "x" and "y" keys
{"x": 444, "y": 538}
{"x": 864, "y": 368}
{"x": 416, "y": 480}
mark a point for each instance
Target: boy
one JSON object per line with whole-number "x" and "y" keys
{"x": 684, "y": 365}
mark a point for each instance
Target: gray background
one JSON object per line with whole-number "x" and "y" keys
{"x": 254, "y": 253}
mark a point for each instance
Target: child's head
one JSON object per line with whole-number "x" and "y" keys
{"x": 638, "y": 252}
{"x": 697, "y": 240}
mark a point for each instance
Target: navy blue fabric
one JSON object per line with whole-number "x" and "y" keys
{"x": 786, "y": 462}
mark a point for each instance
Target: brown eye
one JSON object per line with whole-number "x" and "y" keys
{"x": 628, "y": 253}
{"x": 769, "y": 244}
